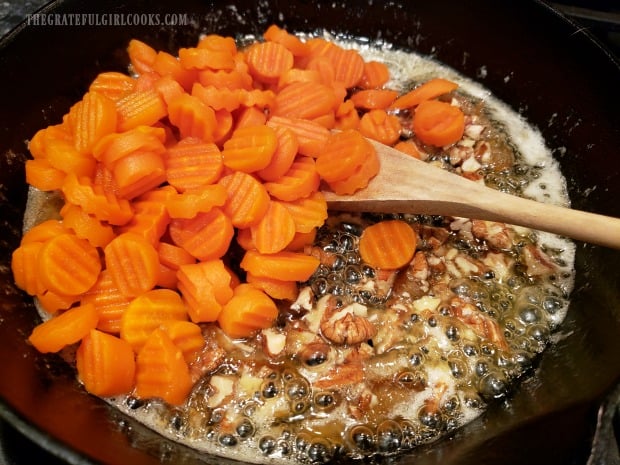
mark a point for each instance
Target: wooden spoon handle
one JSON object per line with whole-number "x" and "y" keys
{"x": 407, "y": 185}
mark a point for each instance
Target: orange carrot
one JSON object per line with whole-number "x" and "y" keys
{"x": 90, "y": 119}
{"x": 388, "y": 244}
{"x": 42, "y": 175}
{"x": 429, "y": 90}
{"x": 147, "y": 312}
{"x": 218, "y": 42}
{"x": 347, "y": 116}
{"x": 290, "y": 41}
{"x": 25, "y": 267}
{"x": 161, "y": 370}
{"x": 348, "y": 65}
{"x": 53, "y": 302}
{"x": 43, "y": 231}
{"x": 105, "y": 364}
{"x": 248, "y": 311}
{"x": 268, "y": 60}
{"x": 247, "y": 199}
{"x": 371, "y": 99}
{"x": 173, "y": 256}
{"x": 133, "y": 262}
{"x": 191, "y": 202}
{"x": 65, "y": 329}
{"x": 217, "y": 98}
{"x": 138, "y": 108}
{"x": 150, "y": 221}
{"x": 275, "y": 230}
{"x": 301, "y": 240}
{"x": 360, "y": 179}
{"x": 187, "y": 336}
{"x": 167, "y": 88}
{"x": 141, "y": 56}
{"x": 166, "y": 64}
{"x": 206, "y": 58}
{"x": 409, "y": 147}
{"x": 206, "y": 236}
{"x": 344, "y": 152}
{"x": 112, "y": 84}
{"x": 256, "y": 97}
{"x": 250, "y": 116}
{"x": 282, "y": 265}
{"x": 283, "y": 157}
{"x": 308, "y": 212}
{"x": 438, "y": 123}
{"x": 109, "y": 302}
{"x": 311, "y": 136}
{"x": 38, "y": 143}
{"x": 274, "y": 288}
{"x": 306, "y": 100}
{"x": 244, "y": 238}
{"x": 191, "y": 164}
{"x": 68, "y": 265}
{"x": 380, "y": 126}
{"x": 63, "y": 156}
{"x": 298, "y": 75}
{"x": 299, "y": 181}
{"x": 86, "y": 226}
{"x": 192, "y": 117}
{"x": 224, "y": 125}
{"x": 118, "y": 145}
{"x": 250, "y": 149}
{"x": 138, "y": 172}
{"x": 376, "y": 74}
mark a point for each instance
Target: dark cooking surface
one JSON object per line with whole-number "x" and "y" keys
{"x": 601, "y": 17}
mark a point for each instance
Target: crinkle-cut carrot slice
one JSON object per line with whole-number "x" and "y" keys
{"x": 174, "y": 256}
{"x": 42, "y": 175}
{"x": 68, "y": 265}
{"x": 64, "y": 329}
{"x": 347, "y": 116}
{"x": 344, "y": 153}
{"x": 115, "y": 146}
{"x": 63, "y": 156}
{"x": 218, "y": 42}
{"x": 258, "y": 98}
{"x": 308, "y": 212}
{"x": 306, "y": 100}
{"x": 167, "y": 278}
{"x": 232, "y": 80}
{"x": 160, "y": 195}
{"x": 248, "y": 311}
{"x": 217, "y": 98}
{"x": 90, "y": 119}
{"x": 268, "y": 60}
{"x": 301, "y": 240}
{"x": 409, "y": 147}
{"x": 438, "y": 123}
{"x": 146, "y": 81}
{"x": 102, "y": 205}
{"x": 105, "y": 364}
{"x": 187, "y": 336}
{"x": 168, "y": 88}
{"x": 225, "y": 122}
{"x": 112, "y": 84}
{"x": 52, "y": 302}
{"x": 360, "y": 178}
{"x": 380, "y": 126}
{"x": 191, "y": 164}
{"x": 138, "y": 172}
{"x": 250, "y": 116}
{"x": 147, "y": 312}
{"x": 250, "y": 149}
{"x": 206, "y": 236}
{"x": 325, "y": 69}
{"x": 299, "y": 181}
{"x": 283, "y": 265}
{"x": 376, "y": 74}
{"x": 247, "y": 199}
{"x": 192, "y": 117}
{"x": 244, "y": 238}
{"x": 348, "y": 64}
{"x": 161, "y": 370}
{"x": 103, "y": 180}
{"x": 43, "y": 231}
{"x": 288, "y": 40}
{"x": 298, "y": 75}
{"x": 141, "y": 56}
{"x": 205, "y": 287}
{"x": 109, "y": 302}
{"x": 140, "y": 108}
{"x": 283, "y": 157}
{"x": 206, "y": 58}
{"x": 86, "y": 226}
{"x": 150, "y": 221}
{"x": 311, "y": 136}
{"x": 275, "y": 230}
{"x": 25, "y": 267}
{"x": 133, "y": 262}
{"x": 168, "y": 65}
{"x": 372, "y": 99}
{"x": 38, "y": 142}
{"x": 388, "y": 244}
{"x": 275, "y": 288}
{"x": 191, "y": 202}
{"x": 426, "y": 91}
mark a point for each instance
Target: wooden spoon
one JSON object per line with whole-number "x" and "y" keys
{"x": 407, "y": 185}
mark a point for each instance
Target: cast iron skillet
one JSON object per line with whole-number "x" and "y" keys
{"x": 530, "y": 57}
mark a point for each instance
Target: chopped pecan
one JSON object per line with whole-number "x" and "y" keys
{"x": 349, "y": 329}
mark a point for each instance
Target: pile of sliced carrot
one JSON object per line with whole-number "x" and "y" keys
{"x": 162, "y": 169}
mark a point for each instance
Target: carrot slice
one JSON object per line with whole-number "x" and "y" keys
{"x": 299, "y": 181}
{"x": 53, "y": 302}
{"x": 344, "y": 153}
{"x": 388, "y": 244}
{"x": 150, "y": 221}
{"x": 118, "y": 145}
{"x": 308, "y": 212}
{"x": 284, "y": 265}
{"x": 65, "y": 329}
{"x": 301, "y": 240}
{"x": 42, "y": 175}
{"x": 247, "y": 199}
{"x": 360, "y": 178}
{"x": 438, "y": 123}
{"x": 218, "y": 42}
{"x": 429, "y": 90}
{"x": 109, "y": 302}
{"x": 141, "y": 56}
{"x": 147, "y": 312}
{"x": 86, "y": 226}
{"x": 283, "y": 157}
{"x": 140, "y": 108}
{"x": 371, "y": 99}
{"x": 191, "y": 202}
{"x": 63, "y": 156}
{"x": 68, "y": 265}
{"x": 248, "y": 311}
{"x": 25, "y": 267}
{"x": 105, "y": 364}
{"x": 112, "y": 84}
{"x": 161, "y": 370}
{"x": 376, "y": 74}
{"x": 217, "y": 98}
{"x": 173, "y": 256}
{"x": 268, "y": 60}
{"x": 306, "y": 100}
{"x": 203, "y": 58}
{"x": 192, "y": 117}
{"x": 311, "y": 136}
{"x": 187, "y": 336}
{"x": 347, "y": 116}
{"x": 409, "y": 147}
{"x": 290, "y": 41}
{"x": 274, "y": 288}
{"x": 168, "y": 65}
{"x": 90, "y": 119}
{"x": 133, "y": 262}
{"x": 192, "y": 163}
{"x": 380, "y": 126}
{"x": 250, "y": 116}
{"x": 138, "y": 172}
{"x": 43, "y": 231}
{"x": 250, "y": 149}
{"x": 348, "y": 65}
{"x": 206, "y": 236}
{"x": 275, "y": 230}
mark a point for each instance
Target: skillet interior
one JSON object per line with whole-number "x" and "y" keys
{"x": 555, "y": 75}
